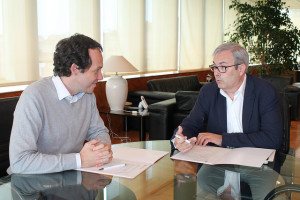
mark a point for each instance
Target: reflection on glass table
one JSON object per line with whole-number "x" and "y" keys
{"x": 201, "y": 181}
{"x": 65, "y": 185}
{"x": 236, "y": 182}
{"x": 165, "y": 179}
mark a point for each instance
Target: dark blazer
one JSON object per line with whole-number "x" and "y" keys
{"x": 262, "y": 122}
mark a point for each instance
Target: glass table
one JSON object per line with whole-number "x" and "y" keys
{"x": 166, "y": 179}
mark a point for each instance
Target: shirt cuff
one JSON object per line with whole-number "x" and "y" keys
{"x": 78, "y": 160}
{"x": 173, "y": 141}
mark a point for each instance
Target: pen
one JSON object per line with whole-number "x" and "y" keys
{"x": 178, "y": 136}
{"x": 114, "y": 166}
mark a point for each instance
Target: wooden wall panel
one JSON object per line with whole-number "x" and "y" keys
{"x": 10, "y": 94}
{"x": 133, "y": 84}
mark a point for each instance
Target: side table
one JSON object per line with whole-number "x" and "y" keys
{"x": 129, "y": 113}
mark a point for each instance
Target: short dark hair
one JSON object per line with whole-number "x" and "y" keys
{"x": 74, "y": 49}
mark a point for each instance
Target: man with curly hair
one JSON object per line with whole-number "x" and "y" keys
{"x": 56, "y": 115}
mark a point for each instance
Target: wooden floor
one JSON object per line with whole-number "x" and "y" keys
{"x": 132, "y": 136}
{"x": 295, "y": 137}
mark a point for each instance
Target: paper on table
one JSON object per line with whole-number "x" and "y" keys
{"x": 271, "y": 157}
{"x": 131, "y": 170}
{"x": 136, "y": 160}
{"x": 247, "y": 156}
{"x": 137, "y": 155}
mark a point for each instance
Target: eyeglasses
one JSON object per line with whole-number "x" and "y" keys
{"x": 221, "y": 69}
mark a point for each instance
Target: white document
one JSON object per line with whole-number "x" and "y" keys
{"x": 135, "y": 160}
{"x": 246, "y": 156}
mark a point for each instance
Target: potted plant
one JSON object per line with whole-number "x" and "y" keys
{"x": 268, "y": 34}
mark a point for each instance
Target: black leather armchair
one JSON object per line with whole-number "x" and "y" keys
{"x": 288, "y": 188}
{"x": 165, "y": 88}
{"x": 159, "y": 91}
{"x": 286, "y": 123}
{"x": 284, "y": 84}
{"x": 166, "y": 115}
{"x": 160, "y": 119}
{"x": 7, "y": 108}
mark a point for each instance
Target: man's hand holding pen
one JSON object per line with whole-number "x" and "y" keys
{"x": 184, "y": 145}
{"x": 181, "y": 142}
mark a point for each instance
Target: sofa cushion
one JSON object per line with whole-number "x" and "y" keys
{"x": 185, "y": 100}
{"x": 174, "y": 84}
{"x": 279, "y": 82}
{"x": 155, "y": 95}
{"x": 291, "y": 89}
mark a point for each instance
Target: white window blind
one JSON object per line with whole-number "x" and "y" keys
{"x": 154, "y": 35}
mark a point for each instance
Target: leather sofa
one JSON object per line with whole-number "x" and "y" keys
{"x": 165, "y": 88}
{"x": 285, "y": 85}
{"x": 160, "y": 90}
{"x": 166, "y": 115}
{"x": 285, "y": 114}
{"x": 7, "y": 108}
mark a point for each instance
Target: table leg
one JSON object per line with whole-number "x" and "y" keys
{"x": 142, "y": 131}
{"x": 126, "y": 126}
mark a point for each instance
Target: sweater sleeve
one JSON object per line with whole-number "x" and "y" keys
{"x": 23, "y": 150}
{"x": 97, "y": 129}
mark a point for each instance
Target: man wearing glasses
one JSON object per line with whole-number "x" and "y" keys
{"x": 236, "y": 110}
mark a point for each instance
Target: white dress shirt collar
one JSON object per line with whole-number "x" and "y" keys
{"x": 62, "y": 91}
{"x": 241, "y": 89}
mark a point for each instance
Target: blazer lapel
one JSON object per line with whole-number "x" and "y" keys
{"x": 222, "y": 111}
{"x": 249, "y": 98}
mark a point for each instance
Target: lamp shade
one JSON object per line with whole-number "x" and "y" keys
{"x": 118, "y": 64}
{"x": 116, "y": 86}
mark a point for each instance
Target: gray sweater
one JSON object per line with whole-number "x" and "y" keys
{"x": 48, "y": 132}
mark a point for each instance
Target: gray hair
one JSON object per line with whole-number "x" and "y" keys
{"x": 239, "y": 53}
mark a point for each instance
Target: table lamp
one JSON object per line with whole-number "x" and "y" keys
{"x": 116, "y": 86}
